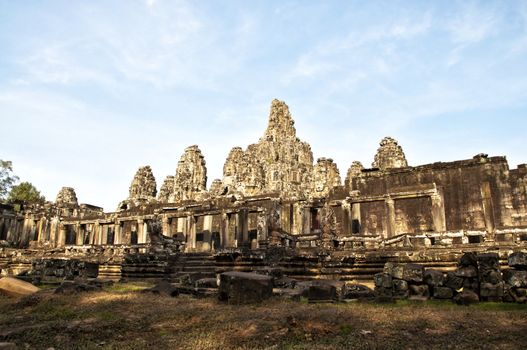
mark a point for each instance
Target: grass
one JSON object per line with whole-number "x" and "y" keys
{"x": 121, "y": 318}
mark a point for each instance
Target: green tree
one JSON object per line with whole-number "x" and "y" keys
{"x": 25, "y": 193}
{"x": 7, "y": 179}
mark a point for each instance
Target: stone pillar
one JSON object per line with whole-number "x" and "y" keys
{"x": 140, "y": 231}
{"x": 243, "y": 225}
{"x": 355, "y": 217}
{"x": 390, "y": 210}
{"x": 61, "y": 239}
{"x": 488, "y": 210}
{"x": 224, "y": 231}
{"x": 117, "y": 239}
{"x": 96, "y": 233}
{"x": 166, "y": 226}
{"x": 191, "y": 229}
{"x": 78, "y": 234}
{"x": 306, "y": 224}
{"x": 438, "y": 213}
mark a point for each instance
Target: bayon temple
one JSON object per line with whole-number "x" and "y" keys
{"x": 276, "y": 206}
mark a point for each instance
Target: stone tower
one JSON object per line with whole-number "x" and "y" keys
{"x": 278, "y": 163}
{"x": 66, "y": 197}
{"x": 325, "y": 176}
{"x": 190, "y": 182}
{"x": 143, "y": 185}
{"x": 389, "y": 155}
{"x": 354, "y": 171}
{"x": 166, "y": 190}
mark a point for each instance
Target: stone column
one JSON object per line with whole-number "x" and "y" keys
{"x": 390, "y": 210}
{"x": 166, "y": 226}
{"x": 438, "y": 213}
{"x": 355, "y": 216}
{"x": 117, "y": 239}
{"x": 191, "y": 229}
{"x": 61, "y": 239}
{"x": 224, "y": 231}
{"x": 140, "y": 231}
{"x": 78, "y": 234}
{"x": 244, "y": 225}
{"x": 488, "y": 210}
{"x": 306, "y": 225}
{"x": 96, "y": 233}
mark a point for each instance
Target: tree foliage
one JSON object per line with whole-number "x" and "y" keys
{"x": 7, "y": 179}
{"x": 25, "y": 193}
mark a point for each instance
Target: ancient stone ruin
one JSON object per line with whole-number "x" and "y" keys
{"x": 276, "y": 208}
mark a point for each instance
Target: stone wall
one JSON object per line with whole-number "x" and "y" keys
{"x": 478, "y": 277}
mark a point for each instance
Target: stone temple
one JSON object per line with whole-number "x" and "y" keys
{"x": 276, "y": 206}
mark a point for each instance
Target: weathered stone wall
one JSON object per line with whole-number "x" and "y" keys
{"x": 474, "y": 194}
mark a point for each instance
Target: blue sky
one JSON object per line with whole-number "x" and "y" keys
{"x": 90, "y": 91}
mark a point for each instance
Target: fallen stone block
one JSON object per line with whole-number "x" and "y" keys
{"x": 434, "y": 278}
{"x": 443, "y": 293}
{"x": 453, "y": 281}
{"x": 471, "y": 283}
{"x": 284, "y": 282}
{"x": 400, "y": 289}
{"x": 288, "y": 293}
{"x": 243, "y": 287}
{"x": 322, "y": 293}
{"x": 207, "y": 283}
{"x": 491, "y": 292}
{"x": 419, "y": 291}
{"x": 358, "y": 291}
{"x": 16, "y": 288}
{"x": 413, "y": 273}
{"x": 515, "y": 278}
{"x": 8, "y": 346}
{"x": 466, "y": 271}
{"x": 382, "y": 280}
{"x": 78, "y": 286}
{"x": 394, "y": 270}
{"x": 518, "y": 260}
{"x": 466, "y": 297}
{"x": 469, "y": 259}
{"x": 164, "y": 288}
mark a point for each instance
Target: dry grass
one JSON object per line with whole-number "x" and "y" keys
{"x": 121, "y": 318}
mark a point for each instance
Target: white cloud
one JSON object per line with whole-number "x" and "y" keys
{"x": 473, "y": 24}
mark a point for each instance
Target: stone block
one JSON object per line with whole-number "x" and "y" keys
{"x": 16, "y": 288}
{"x": 419, "y": 291}
{"x": 518, "y": 260}
{"x": 207, "y": 283}
{"x": 243, "y": 287}
{"x": 413, "y": 273}
{"x": 434, "y": 278}
{"x": 394, "y": 270}
{"x": 443, "y": 293}
{"x": 515, "y": 278}
{"x": 382, "y": 280}
{"x": 471, "y": 283}
{"x": 358, "y": 291}
{"x": 467, "y": 271}
{"x": 322, "y": 293}
{"x": 400, "y": 289}
{"x": 453, "y": 281}
{"x": 466, "y": 297}
{"x": 468, "y": 259}
{"x": 488, "y": 260}
{"x": 491, "y": 292}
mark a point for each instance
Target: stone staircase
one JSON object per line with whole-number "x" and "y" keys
{"x": 192, "y": 266}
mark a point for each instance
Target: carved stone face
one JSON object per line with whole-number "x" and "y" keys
{"x": 372, "y": 223}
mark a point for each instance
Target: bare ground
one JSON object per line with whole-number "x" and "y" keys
{"x": 122, "y": 318}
